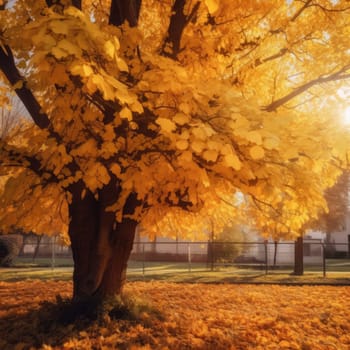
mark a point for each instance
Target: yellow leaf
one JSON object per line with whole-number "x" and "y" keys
{"x": 210, "y": 155}
{"x": 232, "y": 161}
{"x": 82, "y": 42}
{"x": 103, "y": 86}
{"x": 214, "y": 145}
{"x": 212, "y": 5}
{"x": 44, "y": 66}
{"x": 83, "y": 70}
{"x": 284, "y": 344}
{"x": 125, "y": 113}
{"x": 115, "y": 169}
{"x": 257, "y": 152}
{"x": 136, "y": 107}
{"x": 185, "y": 135}
{"x": 254, "y": 136}
{"x": 271, "y": 143}
{"x": 87, "y": 70}
{"x": 198, "y": 146}
{"x": 185, "y": 108}
{"x": 69, "y": 47}
{"x": 186, "y": 156}
{"x": 109, "y": 49}
{"x": 291, "y": 153}
{"x": 182, "y": 145}
{"x": 43, "y": 40}
{"x": 122, "y": 65}
{"x": 74, "y": 12}
{"x": 58, "y": 53}
{"x": 181, "y": 119}
{"x": 199, "y": 133}
{"x": 166, "y": 124}
{"x": 133, "y": 126}
{"x": 59, "y": 27}
{"x": 59, "y": 74}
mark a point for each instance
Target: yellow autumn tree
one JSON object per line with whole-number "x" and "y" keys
{"x": 178, "y": 115}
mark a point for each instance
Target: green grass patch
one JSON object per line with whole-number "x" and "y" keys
{"x": 40, "y": 273}
{"x": 338, "y": 272}
{"x": 42, "y": 262}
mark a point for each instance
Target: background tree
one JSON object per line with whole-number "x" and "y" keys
{"x": 335, "y": 219}
{"x": 170, "y": 114}
{"x": 225, "y": 247}
{"x": 10, "y": 246}
{"x": 337, "y": 198}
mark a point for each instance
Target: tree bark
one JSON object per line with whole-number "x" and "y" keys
{"x": 101, "y": 247}
{"x": 299, "y": 257}
{"x": 178, "y": 21}
{"x": 114, "y": 276}
{"x": 124, "y": 10}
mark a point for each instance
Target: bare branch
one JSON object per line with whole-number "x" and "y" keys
{"x": 339, "y": 75}
{"x": 279, "y": 54}
{"x": 301, "y": 10}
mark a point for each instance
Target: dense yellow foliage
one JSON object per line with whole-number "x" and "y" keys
{"x": 244, "y": 123}
{"x": 218, "y": 317}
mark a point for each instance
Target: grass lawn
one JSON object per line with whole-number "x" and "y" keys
{"x": 338, "y": 272}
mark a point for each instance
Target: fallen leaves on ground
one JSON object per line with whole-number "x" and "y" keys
{"x": 194, "y": 316}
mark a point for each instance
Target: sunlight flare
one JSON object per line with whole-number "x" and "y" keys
{"x": 346, "y": 117}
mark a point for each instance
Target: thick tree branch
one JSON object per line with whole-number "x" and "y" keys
{"x": 178, "y": 21}
{"x": 75, "y": 3}
{"x": 124, "y": 10}
{"x": 8, "y": 67}
{"x": 301, "y": 10}
{"x": 327, "y": 9}
{"x": 339, "y": 75}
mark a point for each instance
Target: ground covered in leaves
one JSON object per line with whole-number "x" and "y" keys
{"x": 182, "y": 316}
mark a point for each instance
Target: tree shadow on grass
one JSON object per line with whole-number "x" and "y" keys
{"x": 54, "y": 324}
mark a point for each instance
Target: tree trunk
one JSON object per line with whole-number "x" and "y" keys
{"x": 299, "y": 257}
{"x": 101, "y": 247}
{"x": 114, "y": 275}
{"x": 37, "y": 247}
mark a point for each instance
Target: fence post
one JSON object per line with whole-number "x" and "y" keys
{"x": 53, "y": 257}
{"x": 189, "y": 256}
{"x": 212, "y": 255}
{"x": 323, "y": 260}
{"x": 143, "y": 259}
{"x": 266, "y": 258}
